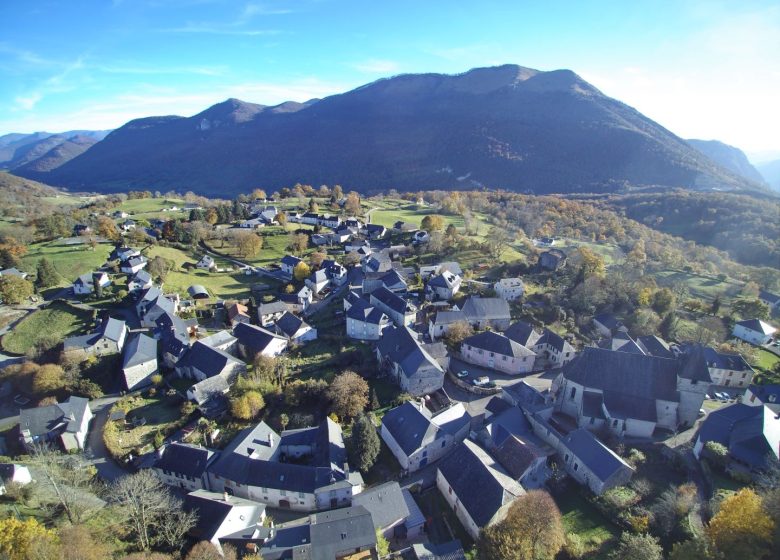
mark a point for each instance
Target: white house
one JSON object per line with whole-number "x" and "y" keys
{"x": 13, "y": 473}
{"x": 288, "y": 264}
{"x": 295, "y": 329}
{"x": 86, "y": 283}
{"x": 496, "y": 351}
{"x": 754, "y": 331}
{"x": 206, "y": 263}
{"x": 133, "y": 264}
{"x": 509, "y": 289}
{"x": 139, "y": 362}
{"x": 365, "y": 321}
{"x": 443, "y": 286}
{"x": 183, "y": 465}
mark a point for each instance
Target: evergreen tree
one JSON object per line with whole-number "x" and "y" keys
{"x": 373, "y": 403}
{"x": 364, "y": 443}
{"x": 46, "y": 274}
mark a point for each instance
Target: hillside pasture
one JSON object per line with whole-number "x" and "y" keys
{"x": 71, "y": 261}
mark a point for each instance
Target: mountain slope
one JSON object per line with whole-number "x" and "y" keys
{"x": 729, "y": 157}
{"x": 17, "y": 150}
{"x": 56, "y": 156}
{"x": 508, "y": 126}
{"x": 770, "y": 171}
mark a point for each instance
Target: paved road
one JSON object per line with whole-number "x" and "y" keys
{"x": 96, "y": 450}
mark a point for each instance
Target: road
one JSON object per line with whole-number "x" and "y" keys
{"x": 96, "y": 451}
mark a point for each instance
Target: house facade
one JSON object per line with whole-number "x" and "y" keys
{"x": 409, "y": 365}
{"x": 139, "y": 362}
{"x": 510, "y": 289}
{"x": 754, "y": 331}
{"x": 496, "y": 351}
{"x": 400, "y": 311}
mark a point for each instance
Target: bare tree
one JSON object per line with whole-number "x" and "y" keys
{"x": 72, "y": 481}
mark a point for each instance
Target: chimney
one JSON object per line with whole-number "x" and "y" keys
{"x": 226, "y": 496}
{"x": 346, "y": 469}
{"x": 270, "y": 439}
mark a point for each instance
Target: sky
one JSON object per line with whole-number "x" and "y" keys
{"x": 701, "y": 68}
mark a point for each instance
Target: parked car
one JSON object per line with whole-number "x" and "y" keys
{"x": 702, "y": 412}
{"x": 462, "y": 374}
{"x": 480, "y": 381}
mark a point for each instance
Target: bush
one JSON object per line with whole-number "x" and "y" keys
{"x": 574, "y": 548}
{"x": 635, "y": 457}
{"x": 19, "y": 493}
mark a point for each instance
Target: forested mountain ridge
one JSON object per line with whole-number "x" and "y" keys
{"x": 502, "y": 127}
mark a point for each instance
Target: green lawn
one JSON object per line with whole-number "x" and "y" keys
{"x": 767, "y": 359}
{"x": 610, "y": 253}
{"x": 700, "y": 287}
{"x": 71, "y": 261}
{"x": 151, "y": 208}
{"x": 411, "y": 213}
{"x": 160, "y": 414}
{"x": 582, "y": 519}
{"x": 55, "y": 322}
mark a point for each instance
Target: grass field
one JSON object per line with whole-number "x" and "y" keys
{"x": 71, "y": 261}
{"x": 275, "y": 242}
{"x": 766, "y": 359}
{"x": 54, "y": 322}
{"x": 700, "y": 287}
{"x": 152, "y": 208}
{"x": 410, "y": 213}
{"x": 582, "y": 519}
{"x": 159, "y": 414}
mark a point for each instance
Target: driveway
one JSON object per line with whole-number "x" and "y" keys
{"x": 96, "y": 451}
{"x": 540, "y": 380}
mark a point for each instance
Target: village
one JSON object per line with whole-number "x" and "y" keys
{"x": 353, "y": 389}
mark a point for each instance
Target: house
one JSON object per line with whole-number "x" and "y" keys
{"x": 174, "y": 336}
{"x": 222, "y": 340}
{"x": 606, "y": 324}
{"x": 303, "y": 470}
{"x": 237, "y": 313}
{"x": 227, "y": 519}
{"x": 772, "y": 300}
{"x": 443, "y": 286}
{"x": 631, "y": 394}
{"x": 183, "y": 465}
{"x": 549, "y": 345}
{"x": 754, "y": 331}
{"x": 127, "y": 225}
{"x": 390, "y": 511}
{"x": 390, "y": 279}
{"x": 767, "y": 395}
{"x": 318, "y": 281}
{"x": 510, "y": 289}
{"x": 81, "y": 229}
{"x": 591, "y": 463}
{"x": 252, "y": 223}
{"x": 206, "y": 262}
{"x": 153, "y": 304}
{"x": 408, "y": 363}
{"x": 294, "y": 329}
{"x": 476, "y": 487}
{"x": 404, "y": 227}
{"x": 365, "y": 321}
{"x": 621, "y": 341}
{"x": 13, "y": 272}
{"x": 484, "y": 313}
{"x": 379, "y": 261}
{"x": 420, "y": 237}
{"x": 376, "y": 231}
{"x": 139, "y": 362}
{"x": 213, "y": 370}
{"x": 133, "y": 264}
{"x": 11, "y": 473}
{"x": 552, "y": 260}
{"x": 400, "y": 311}
{"x": 253, "y": 340}
{"x": 124, "y": 254}
{"x": 446, "y": 551}
{"x": 288, "y": 264}
{"x": 268, "y": 313}
{"x": 428, "y": 270}
{"x": 341, "y": 534}
{"x": 86, "y": 283}
{"x": 440, "y": 323}
{"x": 727, "y": 370}
{"x": 109, "y": 338}
{"x": 496, "y": 351}
{"x": 418, "y": 438}
{"x": 142, "y": 280}
{"x": 652, "y": 345}
{"x": 66, "y": 423}
{"x": 120, "y": 215}
{"x": 750, "y": 433}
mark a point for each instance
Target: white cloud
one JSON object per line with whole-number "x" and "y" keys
{"x": 377, "y": 66}
{"x": 28, "y": 102}
{"x": 214, "y": 30}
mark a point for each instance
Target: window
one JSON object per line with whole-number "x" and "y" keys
{"x": 504, "y": 358}
{"x": 614, "y": 423}
{"x": 573, "y": 392}
{"x": 444, "y": 444}
{"x": 301, "y": 495}
{"x": 576, "y": 466}
{"x": 566, "y": 457}
{"x": 283, "y": 492}
{"x": 592, "y": 420}
{"x": 492, "y": 355}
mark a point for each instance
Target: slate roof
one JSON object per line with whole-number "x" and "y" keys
{"x": 197, "y": 290}
{"x": 479, "y": 308}
{"x": 625, "y": 374}
{"x": 112, "y": 329}
{"x": 341, "y": 530}
{"x": 271, "y": 308}
{"x": 254, "y": 338}
{"x": 601, "y": 460}
{"x": 750, "y": 433}
{"x": 290, "y": 260}
{"x": 361, "y": 310}
{"x": 522, "y": 333}
{"x": 385, "y": 503}
{"x": 212, "y": 510}
{"x": 758, "y": 325}
{"x": 482, "y": 486}
{"x": 773, "y": 299}
{"x": 411, "y": 427}
{"x": 694, "y": 364}
{"x": 140, "y": 348}
{"x": 142, "y": 277}
{"x": 219, "y": 338}
{"x": 237, "y": 309}
{"x": 211, "y": 388}
{"x": 203, "y": 357}
{"x": 448, "y": 317}
{"x": 555, "y": 341}
{"x": 391, "y": 300}
{"x": 444, "y": 280}
{"x": 184, "y": 459}
{"x": 44, "y": 419}
{"x": 608, "y": 321}
{"x": 655, "y": 346}
{"x": 517, "y": 455}
{"x": 767, "y": 394}
{"x": 621, "y": 342}
{"x": 497, "y": 343}
{"x": 447, "y": 551}
{"x": 134, "y": 261}
{"x": 401, "y": 346}
{"x": 289, "y": 324}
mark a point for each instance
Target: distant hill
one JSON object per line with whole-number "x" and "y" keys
{"x": 770, "y": 171}
{"x": 502, "y": 127}
{"x": 21, "y": 150}
{"x": 729, "y": 157}
{"x": 61, "y": 153}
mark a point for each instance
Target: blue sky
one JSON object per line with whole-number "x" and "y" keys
{"x": 703, "y": 69}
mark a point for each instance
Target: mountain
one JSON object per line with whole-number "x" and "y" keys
{"x": 729, "y": 157}
{"x": 501, "y": 127}
{"x": 61, "y": 153}
{"x": 770, "y": 171}
{"x": 18, "y": 150}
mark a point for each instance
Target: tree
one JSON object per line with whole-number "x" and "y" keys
{"x": 48, "y": 379}
{"x": 591, "y": 263}
{"x": 148, "y": 504}
{"x": 532, "y": 529}
{"x": 497, "y": 242}
{"x": 301, "y": 271}
{"x": 313, "y": 206}
{"x": 432, "y": 223}
{"x": 79, "y": 543}
{"x": 458, "y": 332}
{"x": 248, "y": 244}
{"x": 382, "y": 546}
{"x": 637, "y": 547}
{"x": 14, "y": 289}
{"x": 348, "y": 394}
{"x": 716, "y": 304}
{"x": 363, "y": 443}
{"x": 315, "y": 259}
{"x": 696, "y": 548}
{"x": 19, "y": 539}
{"x": 70, "y": 478}
{"x": 299, "y": 242}
{"x": 247, "y": 406}
{"x": 46, "y": 275}
{"x": 750, "y": 309}
{"x": 352, "y": 204}
{"x": 709, "y": 330}
{"x": 664, "y": 301}
{"x": 264, "y": 367}
{"x": 644, "y": 322}
{"x": 741, "y": 528}
{"x": 636, "y": 257}
{"x": 281, "y": 219}
{"x": 107, "y": 228}
{"x": 204, "y": 550}
{"x": 259, "y": 194}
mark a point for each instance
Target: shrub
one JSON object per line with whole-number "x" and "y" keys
{"x": 635, "y": 457}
